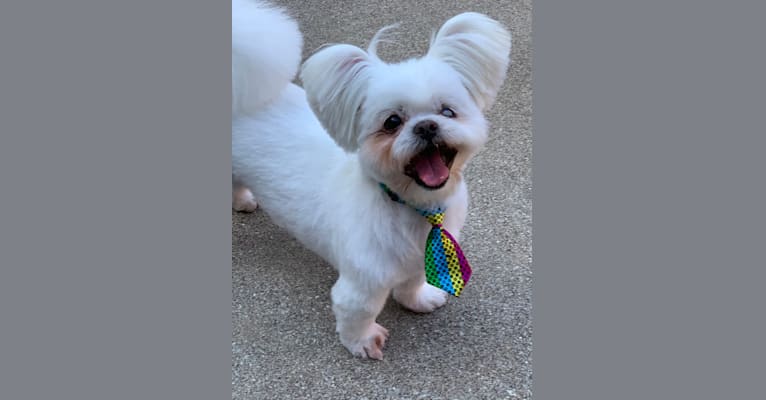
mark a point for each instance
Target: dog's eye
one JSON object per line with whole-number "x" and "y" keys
{"x": 392, "y": 122}
{"x": 447, "y": 112}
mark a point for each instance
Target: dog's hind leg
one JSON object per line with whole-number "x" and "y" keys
{"x": 242, "y": 198}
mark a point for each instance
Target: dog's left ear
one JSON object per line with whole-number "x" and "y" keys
{"x": 478, "y": 48}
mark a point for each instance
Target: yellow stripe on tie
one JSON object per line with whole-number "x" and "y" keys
{"x": 453, "y": 265}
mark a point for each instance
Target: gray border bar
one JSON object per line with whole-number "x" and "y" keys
{"x": 649, "y": 196}
{"x": 115, "y": 278}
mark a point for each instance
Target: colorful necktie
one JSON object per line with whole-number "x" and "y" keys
{"x": 446, "y": 267}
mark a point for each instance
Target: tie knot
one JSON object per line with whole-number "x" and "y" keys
{"x": 434, "y": 217}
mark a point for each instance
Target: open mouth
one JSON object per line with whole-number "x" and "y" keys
{"x": 430, "y": 168}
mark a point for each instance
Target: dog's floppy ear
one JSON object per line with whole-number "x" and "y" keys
{"x": 478, "y": 48}
{"x": 335, "y": 80}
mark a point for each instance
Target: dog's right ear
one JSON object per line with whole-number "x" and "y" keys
{"x": 335, "y": 80}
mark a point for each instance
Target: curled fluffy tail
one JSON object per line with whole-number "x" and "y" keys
{"x": 265, "y": 54}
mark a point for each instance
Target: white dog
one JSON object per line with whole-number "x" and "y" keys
{"x": 410, "y": 126}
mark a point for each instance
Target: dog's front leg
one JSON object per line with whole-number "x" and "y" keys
{"x": 356, "y": 306}
{"x": 417, "y": 295}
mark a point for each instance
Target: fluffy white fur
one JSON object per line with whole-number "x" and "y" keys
{"x": 313, "y": 159}
{"x": 257, "y": 30}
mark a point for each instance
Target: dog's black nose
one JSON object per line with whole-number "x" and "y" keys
{"x": 426, "y": 129}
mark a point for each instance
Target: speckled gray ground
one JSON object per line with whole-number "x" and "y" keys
{"x": 479, "y": 346}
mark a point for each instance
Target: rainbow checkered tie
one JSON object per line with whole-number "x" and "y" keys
{"x": 446, "y": 267}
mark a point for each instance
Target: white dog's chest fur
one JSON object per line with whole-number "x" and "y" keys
{"x": 323, "y": 199}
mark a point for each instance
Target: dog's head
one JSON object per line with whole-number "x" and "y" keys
{"x": 414, "y": 124}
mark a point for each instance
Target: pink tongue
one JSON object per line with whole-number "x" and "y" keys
{"x": 431, "y": 168}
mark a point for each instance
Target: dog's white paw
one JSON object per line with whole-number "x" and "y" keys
{"x": 370, "y": 344}
{"x": 247, "y": 206}
{"x": 243, "y": 200}
{"x": 425, "y": 299}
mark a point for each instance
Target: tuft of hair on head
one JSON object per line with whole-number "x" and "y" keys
{"x": 384, "y": 35}
{"x": 478, "y": 48}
